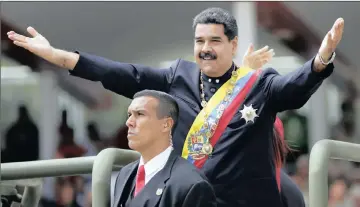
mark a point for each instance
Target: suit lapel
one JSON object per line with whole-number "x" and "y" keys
{"x": 124, "y": 181}
{"x": 153, "y": 190}
{"x": 196, "y": 79}
{"x": 193, "y": 79}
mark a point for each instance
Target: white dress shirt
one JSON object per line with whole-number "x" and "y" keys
{"x": 156, "y": 164}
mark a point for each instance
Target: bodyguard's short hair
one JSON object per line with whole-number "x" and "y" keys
{"x": 218, "y": 16}
{"x": 167, "y": 107}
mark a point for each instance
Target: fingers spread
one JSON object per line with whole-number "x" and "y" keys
{"x": 250, "y": 49}
{"x": 17, "y": 37}
{"x": 32, "y": 31}
{"x": 21, "y": 44}
{"x": 267, "y": 55}
{"x": 272, "y": 52}
{"x": 11, "y": 33}
{"x": 262, "y": 50}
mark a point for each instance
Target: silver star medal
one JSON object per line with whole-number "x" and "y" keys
{"x": 248, "y": 113}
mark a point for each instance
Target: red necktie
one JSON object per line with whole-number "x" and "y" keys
{"x": 140, "y": 180}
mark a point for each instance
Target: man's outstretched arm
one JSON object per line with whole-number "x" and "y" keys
{"x": 122, "y": 78}
{"x": 41, "y": 47}
{"x": 293, "y": 90}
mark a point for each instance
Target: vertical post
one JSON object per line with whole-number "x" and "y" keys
{"x": 49, "y": 122}
{"x": 357, "y": 121}
{"x": 318, "y": 119}
{"x": 31, "y": 196}
{"x": 78, "y": 114}
{"x": 318, "y": 174}
{"x": 102, "y": 170}
{"x": 246, "y": 18}
{"x": 322, "y": 151}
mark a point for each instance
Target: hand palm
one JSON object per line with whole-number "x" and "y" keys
{"x": 38, "y": 44}
{"x": 332, "y": 39}
{"x": 257, "y": 59}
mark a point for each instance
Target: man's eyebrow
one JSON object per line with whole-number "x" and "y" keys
{"x": 136, "y": 110}
{"x": 216, "y": 38}
{"x": 213, "y": 37}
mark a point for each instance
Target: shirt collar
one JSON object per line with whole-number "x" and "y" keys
{"x": 222, "y": 79}
{"x": 157, "y": 162}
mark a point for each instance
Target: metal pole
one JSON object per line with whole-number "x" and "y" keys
{"x": 101, "y": 167}
{"x": 47, "y": 168}
{"x": 320, "y": 154}
{"x": 31, "y": 196}
{"x": 101, "y": 174}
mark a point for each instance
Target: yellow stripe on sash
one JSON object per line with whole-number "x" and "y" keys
{"x": 211, "y": 105}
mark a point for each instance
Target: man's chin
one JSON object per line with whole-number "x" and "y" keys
{"x": 210, "y": 71}
{"x": 133, "y": 145}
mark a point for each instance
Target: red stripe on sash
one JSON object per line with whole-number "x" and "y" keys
{"x": 228, "y": 115}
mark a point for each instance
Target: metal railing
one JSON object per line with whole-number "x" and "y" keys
{"x": 320, "y": 154}
{"x": 101, "y": 167}
{"x": 101, "y": 173}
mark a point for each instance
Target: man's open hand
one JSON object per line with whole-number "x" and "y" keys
{"x": 37, "y": 44}
{"x": 257, "y": 59}
{"x": 332, "y": 39}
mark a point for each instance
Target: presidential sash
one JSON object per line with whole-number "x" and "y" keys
{"x": 213, "y": 119}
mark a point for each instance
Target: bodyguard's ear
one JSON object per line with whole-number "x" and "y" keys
{"x": 169, "y": 123}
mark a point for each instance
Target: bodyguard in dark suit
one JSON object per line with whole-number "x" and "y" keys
{"x": 227, "y": 112}
{"x": 160, "y": 178}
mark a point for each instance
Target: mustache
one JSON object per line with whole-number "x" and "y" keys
{"x": 210, "y": 55}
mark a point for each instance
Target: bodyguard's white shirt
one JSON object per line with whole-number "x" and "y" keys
{"x": 156, "y": 164}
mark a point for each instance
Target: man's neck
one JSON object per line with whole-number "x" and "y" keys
{"x": 153, "y": 151}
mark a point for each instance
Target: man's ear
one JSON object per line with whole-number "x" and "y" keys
{"x": 234, "y": 44}
{"x": 168, "y": 124}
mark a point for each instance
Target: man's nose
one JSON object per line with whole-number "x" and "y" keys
{"x": 130, "y": 122}
{"x": 206, "y": 48}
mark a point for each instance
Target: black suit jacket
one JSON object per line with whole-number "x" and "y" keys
{"x": 290, "y": 193}
{"x": 241, "y": 167}
{"x": 181, "y": 183}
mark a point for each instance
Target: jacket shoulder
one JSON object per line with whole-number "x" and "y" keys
{"x": 127, "y": 168}
{"x": 184, "y": 169}
{"x": 183, "y": 64}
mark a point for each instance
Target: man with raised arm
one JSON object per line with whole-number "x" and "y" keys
{"x": 227, "y": 112}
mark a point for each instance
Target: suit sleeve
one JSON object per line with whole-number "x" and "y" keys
{"x": 200, "y": 194}
{"x": 123, "y": 78}
{"x": 293, "y": 90}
